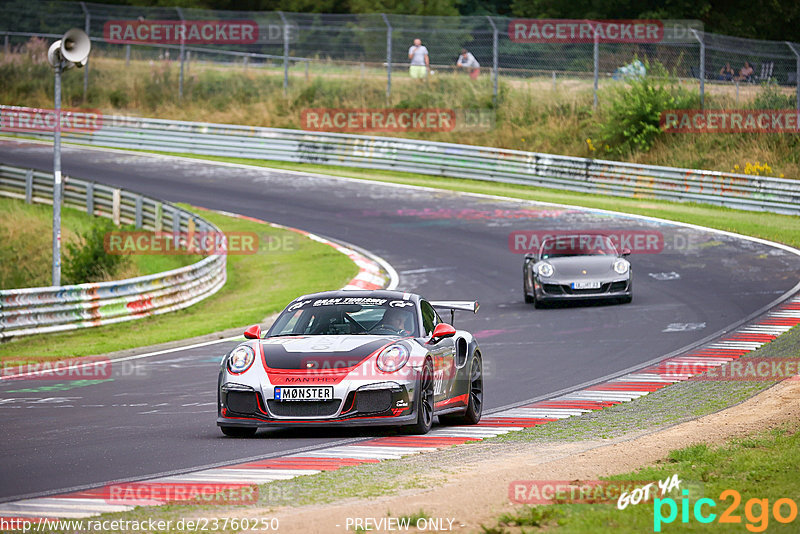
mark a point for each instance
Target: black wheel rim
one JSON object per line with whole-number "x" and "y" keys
{"x": 476, "y": 386}
{"x": 426, "y": 397}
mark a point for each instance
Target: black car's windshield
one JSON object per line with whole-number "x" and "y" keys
{"x": 577, "y": 245}
{"x": 347, "y": 316}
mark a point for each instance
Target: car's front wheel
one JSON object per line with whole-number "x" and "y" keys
{"x": 238, "y": 431}
{"x": 425, "y": 401}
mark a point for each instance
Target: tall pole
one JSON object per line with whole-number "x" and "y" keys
{"x": 494, "y": 61}
{"x": 702, "y": 68}
{"x": 596, "y": 64}
{"x": 797, "y": 74}
{"x": 183, "y": 52}
{"x": 388, "y": 58}
{"x": 57, "y": 181}
{"x": 87, "y": 23}
{"x": 285, "y": 53}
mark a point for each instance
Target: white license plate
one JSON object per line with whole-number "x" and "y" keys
{"x": 308, "y": 393}
{"x": 585, "y": 285}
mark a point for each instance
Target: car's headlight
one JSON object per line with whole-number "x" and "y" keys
{"x": 621, "y": 266}
{"x": 241, "y": 359}
{"x": 545, "y": 269}
{"x": 392, "y": 358}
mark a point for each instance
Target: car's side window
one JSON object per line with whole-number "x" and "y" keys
{"x": 429, "y": 317}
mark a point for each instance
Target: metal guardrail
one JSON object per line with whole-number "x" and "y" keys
{"x": 53, "y": 309}
{"x": 754, "y": 193}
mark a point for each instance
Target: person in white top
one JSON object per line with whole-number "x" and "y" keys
{"x": 468, "y": 62}
{"x": 420, "y": 62}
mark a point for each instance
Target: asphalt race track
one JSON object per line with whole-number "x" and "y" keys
{"x": 157, "y": 414}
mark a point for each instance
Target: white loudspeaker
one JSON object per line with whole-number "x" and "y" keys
{"x": 73, "y": 49}
{"x": 75, "y": 46}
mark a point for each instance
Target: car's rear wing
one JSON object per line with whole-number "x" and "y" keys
{"x": 453, "y": 305}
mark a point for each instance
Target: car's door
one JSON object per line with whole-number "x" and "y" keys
{"x": 443, "y": 352}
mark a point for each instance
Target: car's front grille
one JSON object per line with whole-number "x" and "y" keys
{"x": 242, "y": 401}
{"x": 378, "y": 400}
{"x": 618, "y": 286}
{"x": 304, "y": 408}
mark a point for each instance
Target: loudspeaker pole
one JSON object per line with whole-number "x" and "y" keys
{"x": 57, "y": 180}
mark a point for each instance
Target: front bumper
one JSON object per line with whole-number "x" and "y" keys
{"x": 376, "y": 404}
{"x": 552, "y": 290}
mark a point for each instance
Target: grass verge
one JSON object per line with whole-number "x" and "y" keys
{"x": 258, "y": 285}
{"x": 761, "y": 469}
{"x": 25, "y": 245}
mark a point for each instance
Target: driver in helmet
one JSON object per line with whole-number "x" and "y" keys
{"x": 397, "y": 320}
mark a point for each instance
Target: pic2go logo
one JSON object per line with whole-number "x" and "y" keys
{"x": 757, "y": 511}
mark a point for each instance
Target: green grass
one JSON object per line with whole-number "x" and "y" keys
{"x": 257, "y": 286}
{"x": 774, "y": 227}
{"x": 761, "y": 466}
{"x": 26, "y": 245}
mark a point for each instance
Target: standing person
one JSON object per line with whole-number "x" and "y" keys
{"x": 420, "y": 62}
{"x": 468, "y": 62}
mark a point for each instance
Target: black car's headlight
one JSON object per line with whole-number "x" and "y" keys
{"x": 392, "y": 358}
{"x": 621, "y": 266}
{"x": 241, "y": 359}
{"x": 545, "y": 269}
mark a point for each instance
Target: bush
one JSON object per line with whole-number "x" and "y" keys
{"x": 631, "y": 119}
{"x": 770, "y": 97}
{"x": 87, "y": 260}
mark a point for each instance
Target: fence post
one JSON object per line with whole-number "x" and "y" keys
{"x": 554, "y": 81}
{"x": 702, "y": 68}
{"x": 90, "y": 198}
{"x": 87, "y": 22}
{"x": 29, "y": 186}
{"x": 797, "y": 74}
{"x": 183, "y": 52}
{"x": 285, "y": 52}
{"x": 596, "y": 65}
{"x": 494, "y": 62}
{"x": 388, "y": 58}
{"x": 127, "y": 55}
{"x": 116, "y": 204}
{"x": 306, "y": 62}
{"x": 7, "y": 46}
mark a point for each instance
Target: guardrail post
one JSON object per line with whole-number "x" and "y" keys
{"x": 86, "y": 25}
{"x": 183, "y": 52}
{"x": 138, "y": 218}
{"x": 159, "y": 218}
{"x": 388, "y": 58}
{"x": 116, "y": 197}
{"x": 176, "y": 227}
{"x": 796, "y": 76}
{"x": 29, "y": 186}
{"x": 285, "y": 53}
{"x": 702, "y": 68}
{"x": 90, "y": 198}
{"x": 494, "y": 61}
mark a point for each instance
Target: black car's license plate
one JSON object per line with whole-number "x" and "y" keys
{"x": 586, "y": 285}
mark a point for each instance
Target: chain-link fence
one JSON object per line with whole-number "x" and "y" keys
{"x": 377, "y": 45}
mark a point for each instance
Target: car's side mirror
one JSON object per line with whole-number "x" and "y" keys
{"x": 626, "y": 252}
{"x": 253, "y": 332}
{"x": 530, "y": 258}
{"x": 442, "y": 331}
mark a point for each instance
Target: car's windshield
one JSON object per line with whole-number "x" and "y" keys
{"x": 347, "y": 316}
{"x": 577, "y": 245}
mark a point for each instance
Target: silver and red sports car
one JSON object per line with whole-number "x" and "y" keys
{"x": 353, "y": 358}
